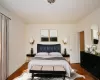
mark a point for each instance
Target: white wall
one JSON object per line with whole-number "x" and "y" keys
{"x": 64, "y": 31}
{"x": 16, "y": 41}
{"x": 86, "y": 23}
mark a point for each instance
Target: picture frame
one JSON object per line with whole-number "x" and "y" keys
{"x": 44, "y": 35}
{"x": 48, "y": 35}
{"x": 53, "y": 35}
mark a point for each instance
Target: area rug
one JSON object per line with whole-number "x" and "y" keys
{"x": 27, "y": 76}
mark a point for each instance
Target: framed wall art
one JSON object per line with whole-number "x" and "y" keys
{"x": 44, "y": 35}
{"x": 53, "y": 35}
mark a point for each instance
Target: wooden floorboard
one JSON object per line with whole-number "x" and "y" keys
{"x": 79, "y": 69}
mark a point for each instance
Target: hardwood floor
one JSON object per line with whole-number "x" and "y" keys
{"x": 79, "y": 69}
{"x": 82, "y": 71}
{"x": 18, "y": 72}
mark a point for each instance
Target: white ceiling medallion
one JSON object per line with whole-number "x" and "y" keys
{"x": 51, "y": 1}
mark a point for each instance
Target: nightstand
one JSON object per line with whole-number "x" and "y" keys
{"x": 67, "y": 57}
{"x": 29, "y": 57}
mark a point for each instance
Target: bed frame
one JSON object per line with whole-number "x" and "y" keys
{"x": 48, "y": 73}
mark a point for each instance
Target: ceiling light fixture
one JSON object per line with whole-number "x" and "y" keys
{"x": 51, "y": 1}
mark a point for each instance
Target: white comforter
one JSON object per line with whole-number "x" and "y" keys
{"x": 52, "y": 63}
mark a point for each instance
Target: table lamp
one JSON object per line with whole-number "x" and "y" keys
{"x": 31, "y": 43}
{"x": 65, "y": 42}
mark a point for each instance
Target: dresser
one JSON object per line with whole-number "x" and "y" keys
{"x": 91, "y": 63}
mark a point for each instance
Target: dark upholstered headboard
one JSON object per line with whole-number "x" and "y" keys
{"x": 48, "y": 48}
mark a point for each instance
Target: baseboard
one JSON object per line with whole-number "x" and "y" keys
{"x": 17, "y": 72}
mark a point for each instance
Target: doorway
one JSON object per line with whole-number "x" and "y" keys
{"x": 82, "y": 45}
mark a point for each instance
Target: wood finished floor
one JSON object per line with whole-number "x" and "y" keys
{"x": 79, "y": 69}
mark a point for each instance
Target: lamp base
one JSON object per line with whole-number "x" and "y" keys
{"x": 65, "y": 52}
{"x": 31, "y": 51}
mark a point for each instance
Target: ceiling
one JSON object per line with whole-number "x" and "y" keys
{"x": 60, "y": 12}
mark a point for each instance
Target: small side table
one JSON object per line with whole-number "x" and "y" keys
{"x": 29, "y": 57}
{"x": 67, "y": 57}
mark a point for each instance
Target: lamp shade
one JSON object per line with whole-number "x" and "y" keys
{"x": 65, "y": 41}
{"x": 31, "y": 41}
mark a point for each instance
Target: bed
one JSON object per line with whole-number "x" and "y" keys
{"x": 49, "y": 55}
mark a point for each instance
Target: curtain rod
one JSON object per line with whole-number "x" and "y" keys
{"x": 5, "y": 16}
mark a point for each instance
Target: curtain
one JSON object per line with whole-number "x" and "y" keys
{"x": 4, "y": 22}
{"x": 0, "y": 52}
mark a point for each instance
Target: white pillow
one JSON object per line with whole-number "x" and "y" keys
{"x": 42, "y": 54}
{"x": 55, "y": 54}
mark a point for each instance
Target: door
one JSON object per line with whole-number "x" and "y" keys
{"x": 74, "y": 48}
